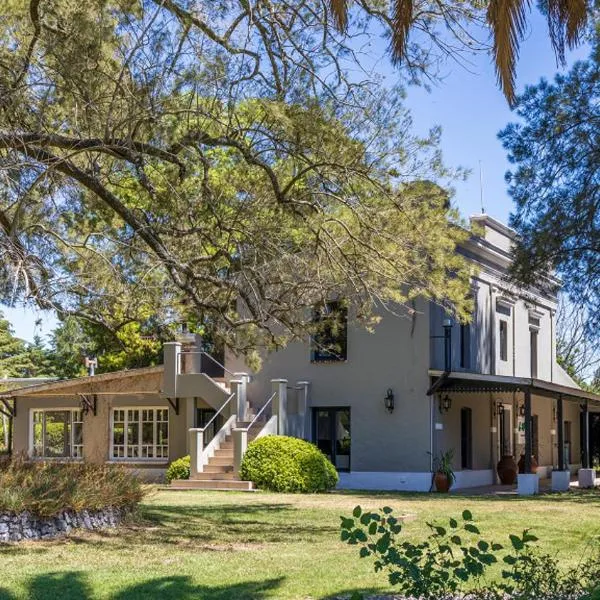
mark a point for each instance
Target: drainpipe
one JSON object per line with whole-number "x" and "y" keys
{"x": 492, "y": 336}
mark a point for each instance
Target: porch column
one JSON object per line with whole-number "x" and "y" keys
{"x": 528, "y": 432}
{"x": 302, "y": 395}
{"x": 240, "y": 445}
{"x": 280, "y": 403}
{"x": 196, "y": 443}
{"x": 239, "y": 388}
{"x": 528, "y": 482}
{"x": 561, "y": 479}
{"x": 586, "y": 476}
{"x": 561, "y": 433}
{"x": 585, "y": 451}
{"x": 172, "y": 360}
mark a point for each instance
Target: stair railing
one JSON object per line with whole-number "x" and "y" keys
{"x": 202, "y": 449}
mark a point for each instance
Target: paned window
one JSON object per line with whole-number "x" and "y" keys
{"x": 140, "y": 433}
{"x": 57, "y": 433}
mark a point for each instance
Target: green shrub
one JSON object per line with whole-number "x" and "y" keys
{"x": 455, "y": 557}
{"x": 179, "y": 469}
{"x": 287, "y": 464}
{"x": 47, "y": 488}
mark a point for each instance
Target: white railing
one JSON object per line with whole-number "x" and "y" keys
{"x": 202, "y": 449}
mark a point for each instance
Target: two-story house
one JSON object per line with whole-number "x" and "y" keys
{"x": 380, "y": 404}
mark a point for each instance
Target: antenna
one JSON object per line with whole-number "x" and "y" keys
{"x": 481, "y": 188}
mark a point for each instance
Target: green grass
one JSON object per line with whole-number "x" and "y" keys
{"x": 219, "y": 545}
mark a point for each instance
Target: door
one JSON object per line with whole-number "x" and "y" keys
{"x": 203, "y": 417}
{"x": 466, "y": 438}
{"x": 331, "y": 432}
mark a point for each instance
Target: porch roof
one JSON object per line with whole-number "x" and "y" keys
{"x": 458, "y": 381}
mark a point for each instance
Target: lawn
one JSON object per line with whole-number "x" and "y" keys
{"x": 221, "y": 545}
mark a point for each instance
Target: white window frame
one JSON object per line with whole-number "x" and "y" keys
{"x": 72, "y": 446}
{"x": 139, "y": 444}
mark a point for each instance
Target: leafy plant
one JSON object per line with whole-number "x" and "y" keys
{"x": 178, "y": 469}
{"x": 287, "y": 464}
{"x": 455, "y": 557}
{"x": 443, "y": 464}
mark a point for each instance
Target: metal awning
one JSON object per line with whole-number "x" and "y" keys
{"x": 464, "y": 382}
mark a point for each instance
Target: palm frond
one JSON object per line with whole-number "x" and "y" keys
{"x": 339, "y": 10}
{"x": 566, "y": 22}
{"x": 403, "y": 19}
{"x": 507, "y": 20}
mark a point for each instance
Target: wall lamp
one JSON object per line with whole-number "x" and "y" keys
{"x": 445, "y": 403}
{"x": 522, "y": 410}
{"x": 498, "y": 409}
{"x": 388, "y": 400}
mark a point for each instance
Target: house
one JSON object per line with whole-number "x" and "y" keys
{"x": 379, "y": 404}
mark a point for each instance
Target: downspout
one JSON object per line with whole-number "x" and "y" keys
{"x": 492, "y": 336}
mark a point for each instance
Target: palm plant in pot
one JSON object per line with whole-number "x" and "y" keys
{"x": 443, "y": 473}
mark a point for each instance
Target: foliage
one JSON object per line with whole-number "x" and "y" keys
{"x": 508, "y": 25}
{"x": 443, "y": 464}
{"x": 554, "y": 185}
{"x": 46, "y": 488}
{"x": 178, "y": 469}
{"x": 224, "y": 163}
{"x": 287, "y": 464}
{"x": 455, "y": 557}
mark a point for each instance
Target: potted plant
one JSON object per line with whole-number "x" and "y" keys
{"x": 443, "y": 473}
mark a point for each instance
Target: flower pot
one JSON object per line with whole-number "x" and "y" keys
{"x": 507, "y": 470}
{"x": 442, "y": 482}
{"x": 521, "y": 464}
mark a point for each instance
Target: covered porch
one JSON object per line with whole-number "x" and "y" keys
{"x": 532, "y": 420}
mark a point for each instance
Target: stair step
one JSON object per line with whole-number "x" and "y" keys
{"x": 220, "y": 461}
{"x": 224, "y": 453}
{"x": 226, "y": 445}
{"x": 211, "y": 484}
{"x": 218, "y": 468}
{"x": 228, "y": 475}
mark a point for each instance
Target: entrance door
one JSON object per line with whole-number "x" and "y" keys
{"x": 505, "y": 437}
{"x": 203, "y": 417}
{"x": 331, "y": 432}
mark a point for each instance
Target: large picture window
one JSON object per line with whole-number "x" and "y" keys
{"x": 140, "y": 433}
{"x": 330, "y": 340}
{"x": 57, "y": 433}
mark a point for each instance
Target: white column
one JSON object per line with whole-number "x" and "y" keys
{"x": 196, "y": 442}
{"x": 279, "y": 387}
{"x": 303, "y": 407}
{"x": 190, "y": 419}
{"x": 239, "y": 387}
{"x": 172, "y": 357}
{"x": 240, "y": 445}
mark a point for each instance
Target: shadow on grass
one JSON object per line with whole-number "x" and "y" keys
{"x": 72, "y": 585}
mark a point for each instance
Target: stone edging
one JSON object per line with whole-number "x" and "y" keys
{"x": 26, "y": 526}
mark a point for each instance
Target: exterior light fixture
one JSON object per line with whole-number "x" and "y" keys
{"x": 388, "y": 400}
{"x": 522, "y": 410}
{"x": 445, "y": 403}
{"x": 499, "y": 409}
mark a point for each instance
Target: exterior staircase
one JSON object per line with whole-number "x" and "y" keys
{"x": 219, "y": 474}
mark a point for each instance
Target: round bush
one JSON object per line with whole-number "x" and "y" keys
{"x": 287, "y": 464}
{"x": 178, "y": 469}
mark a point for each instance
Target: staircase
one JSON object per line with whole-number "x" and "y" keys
{"x": 219, "y": 474}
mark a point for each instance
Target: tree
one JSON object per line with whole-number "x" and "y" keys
{"x": 556, "y": 185}
{"x": 507, "y": 21}
{"x": 224, "y": 160}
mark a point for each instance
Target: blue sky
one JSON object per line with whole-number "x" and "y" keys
{"x": 471, "y": 110}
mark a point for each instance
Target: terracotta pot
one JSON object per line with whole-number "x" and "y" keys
{"x": 507, "y": 470}
{"x": 521, "y": 464}
{"x": 442, "y": 482}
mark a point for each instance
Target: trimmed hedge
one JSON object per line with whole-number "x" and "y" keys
{"x": 178, "y": 469}
{"x": 47, "y": 488}
{"x": 287, "y": 464}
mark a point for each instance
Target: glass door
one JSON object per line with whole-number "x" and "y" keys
{"x": 331, "y": 429}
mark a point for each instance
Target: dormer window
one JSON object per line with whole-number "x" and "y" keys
{"x": 330, "y": 340}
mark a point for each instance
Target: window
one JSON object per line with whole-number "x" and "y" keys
{"x": 503, "y": 340}
{"x": 465, "y": 346}
{"x": 466, "y": 438}
{"x": 140, "y": 433}
{"x": 330, "y": 341}
{"x": 533, "y": 344}
{"x": 331, "y": 433}
{"x": 57, "y": 433}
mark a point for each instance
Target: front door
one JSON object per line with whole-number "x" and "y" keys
{"x": 505, "y": 430}
{"x": 331, "y": 432}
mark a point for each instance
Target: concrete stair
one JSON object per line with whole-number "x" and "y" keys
{"x": 218, "y": 473}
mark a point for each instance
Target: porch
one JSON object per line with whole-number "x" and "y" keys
{"x": 539, "y": 421}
